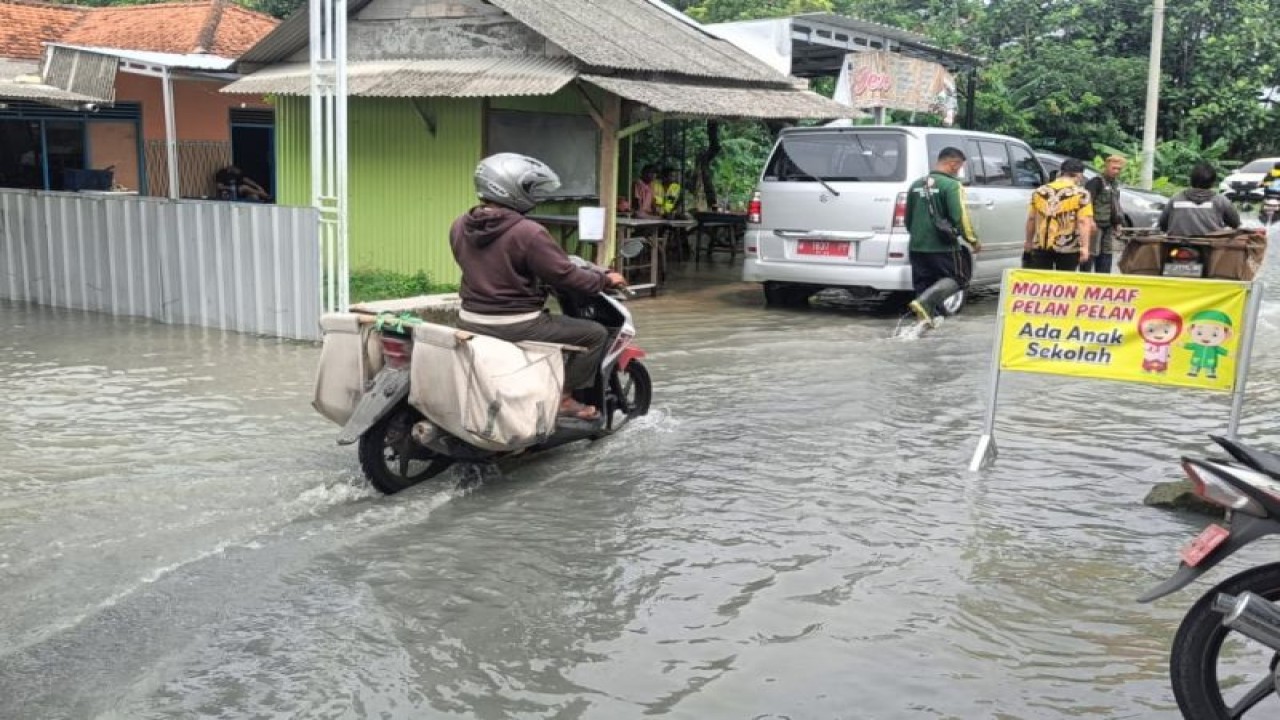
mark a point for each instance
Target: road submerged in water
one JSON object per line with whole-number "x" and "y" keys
{"x": 792, "y": 533}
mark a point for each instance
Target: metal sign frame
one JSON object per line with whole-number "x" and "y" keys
{"x": 986, "y": 452}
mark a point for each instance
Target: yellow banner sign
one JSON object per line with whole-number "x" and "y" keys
{"x": 1168, "y": 331}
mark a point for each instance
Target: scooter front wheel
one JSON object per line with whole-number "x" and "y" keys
{"x": 391, "y": 459}
{"x": 1217, "y": 673}
{"x": 630, "y": 393}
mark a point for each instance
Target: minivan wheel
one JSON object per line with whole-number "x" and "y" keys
{"x": 778, "y": 294}
{"x": 955, "y": 302}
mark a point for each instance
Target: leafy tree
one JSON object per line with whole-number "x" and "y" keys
{"x": 277, "y": 8}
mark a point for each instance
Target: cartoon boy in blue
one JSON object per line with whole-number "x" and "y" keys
{"x": 1209, "y": 330}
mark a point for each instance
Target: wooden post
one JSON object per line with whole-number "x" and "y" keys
{"x": 611, "y": 116}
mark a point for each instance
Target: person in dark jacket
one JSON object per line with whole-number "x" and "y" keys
{"x": 508, "y": 261}
{"x": 1104, "y": 193}
{"x": 1199, "y": 210}
{"x": 939, "y": 265}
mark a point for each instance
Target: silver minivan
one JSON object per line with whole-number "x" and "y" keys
{"x": 830, "y": 208}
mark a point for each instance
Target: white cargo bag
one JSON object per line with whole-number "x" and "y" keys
{"x": 491, "y": 393}
{"x": 350, "y": 357}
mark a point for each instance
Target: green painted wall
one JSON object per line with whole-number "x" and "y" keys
{"x": 406, "y": 185}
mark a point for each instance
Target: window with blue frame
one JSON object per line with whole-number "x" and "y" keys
{"x": 47, "y": 148}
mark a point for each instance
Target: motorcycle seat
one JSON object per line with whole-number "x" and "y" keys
{"x": 1260, "y": 460}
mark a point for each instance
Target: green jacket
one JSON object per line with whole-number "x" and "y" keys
{"x": 949, "y": 202}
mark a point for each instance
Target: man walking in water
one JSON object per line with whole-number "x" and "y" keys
{"x": 939, "y": 224}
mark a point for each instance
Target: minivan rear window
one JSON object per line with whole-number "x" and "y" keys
{"x": 844, "y": 157}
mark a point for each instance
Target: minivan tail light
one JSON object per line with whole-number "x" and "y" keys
{"x": 900, "y": 211}
{"x": 754, "y": 209}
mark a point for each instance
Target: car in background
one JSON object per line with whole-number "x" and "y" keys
{"x": 829, "y": 211}
{"x": 1141, "y": 208}
{"x": 1246, "y": 177}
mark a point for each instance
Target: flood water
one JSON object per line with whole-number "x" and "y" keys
{"x": 792, "y": 533}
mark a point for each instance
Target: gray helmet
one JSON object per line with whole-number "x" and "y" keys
{"x": 513, "y": 180}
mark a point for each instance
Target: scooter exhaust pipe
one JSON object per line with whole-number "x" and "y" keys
{"x": 1251, "y": 615}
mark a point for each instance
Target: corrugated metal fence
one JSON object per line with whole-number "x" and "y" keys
{"x": 234, "y": 266}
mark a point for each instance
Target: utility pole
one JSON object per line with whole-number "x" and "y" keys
{"x": 1153, "y": 95}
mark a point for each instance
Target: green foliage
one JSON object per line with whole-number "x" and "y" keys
{"x": 1069, "y": 74}
{"x": 1173, "y": 159}
{"x": 367, "y": 285}
{"x": 277, "y": 8}
{"x": 712, "y": 11}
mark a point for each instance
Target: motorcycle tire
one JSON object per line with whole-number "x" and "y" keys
{"x": 1193, "y": 664}
{"x": 631, "y": 392}
{"x": 389, "y": 457}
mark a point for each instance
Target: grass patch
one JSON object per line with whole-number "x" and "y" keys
{"x": 367, "y": 285}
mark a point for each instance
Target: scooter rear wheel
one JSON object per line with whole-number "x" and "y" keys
{"x": 1195, "y": 666}
{"x": 391, "y": 459}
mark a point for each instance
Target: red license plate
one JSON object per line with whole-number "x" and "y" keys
{"x": 1204, "y": 544}
{"x": 823, "y": 248}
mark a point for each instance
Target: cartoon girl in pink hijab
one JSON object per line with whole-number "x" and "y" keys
{"x": 1159, "y": 327}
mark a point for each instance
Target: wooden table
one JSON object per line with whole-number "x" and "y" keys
{"x": 724, "y": 230}
{"x": 654, "y": 232}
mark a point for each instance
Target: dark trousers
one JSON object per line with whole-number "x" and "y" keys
{"x": 1099, "y": 264}
{"x": 579, "y": 368}
{"x": 928, "y": 268}
{"x": 1053, "y": 260}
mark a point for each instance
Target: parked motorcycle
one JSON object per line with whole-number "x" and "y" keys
{"x": 1183, "y": 260}
{"x": 399, "y": 447}
{"x": 1211, "y": 636}
{"x": 1244, "y": 193}
{"x": 1269, "y": 212}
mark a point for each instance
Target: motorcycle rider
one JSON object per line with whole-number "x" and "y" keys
{"x": 1199, "y": 210}
{"x": 1268, "y": 182}
{"x": 507, "y": 261}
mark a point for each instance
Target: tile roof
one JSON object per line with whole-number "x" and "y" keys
{"x": 217, "y": 27}
{"x": 636, "y": 35}
{"x": 641, "y": 35}
{"x": 475, "y": 77}
{"x": 24, "y": 24}
{"x": 707, "y": 99}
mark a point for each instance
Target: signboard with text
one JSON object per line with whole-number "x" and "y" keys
{"x": 891, "y": 80}
{"x": 1184, "y": 332}
{"x": 1168, "y": 331}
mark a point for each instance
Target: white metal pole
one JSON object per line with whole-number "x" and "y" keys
{"x": 317, "y": 137}
{"x": 326, "y": 184}
{"x": 1153, "y": 95}
{"x": 170, "y": 133}
{"x": 340, "y": 128}
{"x": 1246, "y": 356}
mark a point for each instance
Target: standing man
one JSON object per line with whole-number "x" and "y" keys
{"x": 1107, "y": 215}
{"x": 1060, "y": 221}
{"x": 939, "y": 224}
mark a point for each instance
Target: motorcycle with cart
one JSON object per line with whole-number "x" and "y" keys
{"x": 430, "y": 395}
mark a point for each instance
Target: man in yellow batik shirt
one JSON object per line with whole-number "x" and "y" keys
{"x": 1060, "y": 221}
